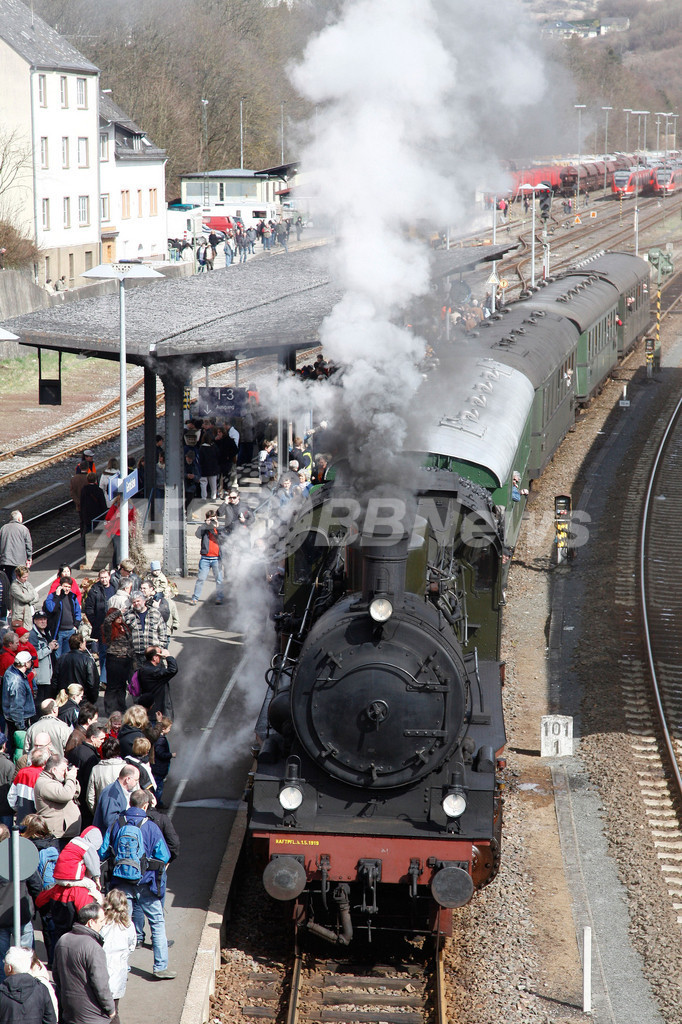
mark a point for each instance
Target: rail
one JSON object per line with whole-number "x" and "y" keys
{"x": 644, "y": 596}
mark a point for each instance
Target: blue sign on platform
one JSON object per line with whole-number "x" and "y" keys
{"x": 129, "y": 485}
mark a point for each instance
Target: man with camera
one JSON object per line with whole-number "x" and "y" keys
{"x": 212, "y": 537}
{"x": 56, "y": 793}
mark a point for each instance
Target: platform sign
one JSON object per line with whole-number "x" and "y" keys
{"x": 504, "y": 283}
{"x": 593, "y": 214}
{"x": 129, "y": 486}
{"x": 225, "y": 401}
{"x": 113, "y": 487}
{"x": 493, "y": 279}
{"x": 577, "y": 220}
{"x": 556, "y": 739}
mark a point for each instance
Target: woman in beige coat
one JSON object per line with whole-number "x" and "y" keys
{"x": 24, "y": 597}
{"x": 55, "y": 793}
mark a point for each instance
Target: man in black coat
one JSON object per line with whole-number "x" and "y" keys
{"x": 78, "y": 666}
{"x": 24, "y": 999}
{"x": 154, "y": 676}
{"x": 95, "y": 608}
{"x": 84, "y": 757}
{"x": 80, "y": 971}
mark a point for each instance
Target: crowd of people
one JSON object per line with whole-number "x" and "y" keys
{"x": 87, "y": 792}
{"x": 239, "y": 242}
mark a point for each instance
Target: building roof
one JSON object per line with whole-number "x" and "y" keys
{"x": 260, "y": 307}
{"x": 109, "y": 113}
{"x": 230, "y": 172}
{"x": 39, "y": 45}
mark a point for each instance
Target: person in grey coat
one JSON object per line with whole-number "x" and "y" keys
{"x": 16, "y": 546}
{"x": 24, "y": 597}
{"x": 45, "y": 646}
{"x": 80, "y": 971}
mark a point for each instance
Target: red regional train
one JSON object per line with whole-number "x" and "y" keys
{"x": 634, "y": 181}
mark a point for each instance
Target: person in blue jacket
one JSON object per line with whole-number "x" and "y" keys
{"x": 18, "y": 707}
{"x": 63, "y": 614}
{"x": 145, "y": 894}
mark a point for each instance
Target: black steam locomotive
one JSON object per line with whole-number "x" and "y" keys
{"x": 377, "y": 799}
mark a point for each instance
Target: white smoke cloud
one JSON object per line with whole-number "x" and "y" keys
{"x": 410, "y": 98}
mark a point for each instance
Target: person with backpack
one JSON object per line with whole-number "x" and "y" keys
{"x": 138, "y": 855}
{"x": 35, "y": 829}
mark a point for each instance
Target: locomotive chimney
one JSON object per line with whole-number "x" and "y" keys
{"x": 384, "y": 562}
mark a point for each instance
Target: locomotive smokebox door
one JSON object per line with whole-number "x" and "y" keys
{"x": 562, "y": 526}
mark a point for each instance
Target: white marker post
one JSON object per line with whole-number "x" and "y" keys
{"x": 587, "y": 970}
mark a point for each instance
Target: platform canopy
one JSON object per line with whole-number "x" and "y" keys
{"x": 274, "y": 303}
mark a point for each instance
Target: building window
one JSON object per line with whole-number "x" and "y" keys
{"x": 46, "y": 214}
{"x": 104, "y": 207}
{"x": 42, "y": 90}
{"x": 72, "y": 267}
{"x": 83, "y": 210}
{"x": 83, "y": 152}
{"x": 88, "y": 260}
{"x": 221, "y": 191}
{"x": 125, "y": 204}
{"x": 153, "y": 202}
{"x": 104, "y": 147}
{"x": 82, "y": 92}
{"x": 47, "y": 268}
{"x": 139, "y": 202}
{"x": 43, "y": 151}
{"x": 64, "y": 90}
{"x": 65, "y": 151}
{"x": 67, "y": 212}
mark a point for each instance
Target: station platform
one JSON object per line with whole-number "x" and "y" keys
{"x": 212, "y": 738}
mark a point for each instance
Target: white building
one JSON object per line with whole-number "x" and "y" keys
{"x": 49, "y": 110}
{"x": 132, "y": 188}
{"x": 76, "y": 175}
{"x": 235, "y": 192}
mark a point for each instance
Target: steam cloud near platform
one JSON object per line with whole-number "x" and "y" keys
{"x": 409, "y": 98}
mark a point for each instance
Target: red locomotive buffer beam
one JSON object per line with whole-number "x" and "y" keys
{"x": 452, "y": 868}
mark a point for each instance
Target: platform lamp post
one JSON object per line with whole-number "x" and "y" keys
{"x": 606, "y": 141}
{"x": 579, "y": 107}
{"x": 674, "y": 118}
{"x": 531, "y": 188}
{"x": 282, "y": 126}
{"x": 122, "y": 272}
{"x": 627, "y": 111}
{"x": 639, "y": 140}
{"x": 241, "y": 132}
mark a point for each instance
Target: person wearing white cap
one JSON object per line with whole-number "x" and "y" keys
{"x": 17, "y": 698}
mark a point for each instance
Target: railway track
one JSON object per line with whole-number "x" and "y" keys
{"x": 54, "y": 448}
{"x": 617, "y": 235}
{"x": 407, "y": 987}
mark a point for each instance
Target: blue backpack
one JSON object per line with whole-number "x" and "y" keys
{"x": 130, "y": 860}
{"x": 47, "y": 859}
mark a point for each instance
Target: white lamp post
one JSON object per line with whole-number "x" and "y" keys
{"x": 579, "y": 107}
{"x": 241, "y": 132}
{"x": 627, "y": 111}
{"x": 606, "y": 141}
{"x": 531, "y": 188}
{"x": 121, "y": 272}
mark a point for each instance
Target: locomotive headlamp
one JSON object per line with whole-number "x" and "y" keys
{"x": 291, "y": 798}
{"x": 381, "y": 609}
{"x": 454, "y": 803}
{"x": 291, "y": 794}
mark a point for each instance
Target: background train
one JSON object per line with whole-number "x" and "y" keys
{"x": 376, "y": 800}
